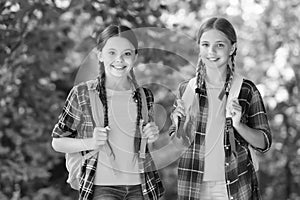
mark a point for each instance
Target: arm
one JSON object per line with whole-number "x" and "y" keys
{"x": 72, "y": 145}
{"x": 256, "y": 131}
{"x": 253, "y": 136}
{"x": 65, "y": 132}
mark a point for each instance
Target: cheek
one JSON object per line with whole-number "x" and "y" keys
{"x": 106, "y": 62}
{"x": 129, "y": 60}
{"x": 203, "y": 53}
{"x": 108, "y": 59}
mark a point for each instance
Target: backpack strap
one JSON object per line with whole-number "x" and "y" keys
{"x": 98, "y": 116}
{"x": 233, "y": 93}
{"x": 95, "y": 119}
{"x": 234, "y": 90}
{"x": 188, "y": 93}
{"x": 97, "y": 109}
{"x": 188, "y": 98}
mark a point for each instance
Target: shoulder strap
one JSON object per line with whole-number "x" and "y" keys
{"x": 98, "y": 114}
{"x": 97, "y": 108}
{"x": 234, "y": 89}
{"x": 189, "y": 92}
{"x": 95, "y": 105}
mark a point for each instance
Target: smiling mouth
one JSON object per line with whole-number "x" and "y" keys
{"x": 120, "y": 68}
{"x": 213, "y": 59}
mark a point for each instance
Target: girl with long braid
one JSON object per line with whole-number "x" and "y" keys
{"x": 215, "y": 167}
{"x": 117, "y": 171}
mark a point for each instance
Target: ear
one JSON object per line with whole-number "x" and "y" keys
{"x": 233, "y": 48}
{"x": 99, "y": 55}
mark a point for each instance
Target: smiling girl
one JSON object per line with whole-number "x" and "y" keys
{"x": 211, "y": 168}
{"x": 116, "y": 171}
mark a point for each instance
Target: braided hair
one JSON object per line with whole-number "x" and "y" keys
{"x": 223, "y": 25}
{"x": 138, "y": 99}
{"x": 127, "y": 33}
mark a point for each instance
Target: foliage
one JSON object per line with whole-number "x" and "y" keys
{"x": 45, "y": 43}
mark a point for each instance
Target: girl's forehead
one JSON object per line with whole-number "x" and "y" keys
{"x": 214, "y": 35}
{"x": 118, "y": 43}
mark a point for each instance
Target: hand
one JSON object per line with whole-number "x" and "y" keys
{"x": 100, "y": 136}
{"x": 151, "y": 132}
{"x": 179, "y": 111}
{"x": 235, "y": 110}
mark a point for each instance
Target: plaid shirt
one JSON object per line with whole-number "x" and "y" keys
{"x": 76, "y": 121}
{"x": 241, "y": 180}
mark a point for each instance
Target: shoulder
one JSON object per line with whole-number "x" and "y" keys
{"x": 81, "y": 90}
{"x": 250, "y": 92}
{"x": 249, "y": 85}
{"x": 182, "y": 86}
{"x": 249, "y": 88}
{"x": 85, "y": 86}
{"x": 88, "y": 85}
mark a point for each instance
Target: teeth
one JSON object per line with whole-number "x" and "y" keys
{"x": 118, "y": 67}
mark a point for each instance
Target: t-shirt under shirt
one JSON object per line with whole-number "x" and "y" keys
{"x": 122, "y": 112}
{"x": 214, "y": 145}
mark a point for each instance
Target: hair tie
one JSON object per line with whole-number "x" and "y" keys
{"x": 197, "y": 90}
{"x": 134, "y": 96}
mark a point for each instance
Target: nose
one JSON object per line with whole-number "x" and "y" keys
{"x": 211, "y": 49}
{"x": 119, "y": 58}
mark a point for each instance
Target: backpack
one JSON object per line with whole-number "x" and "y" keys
{"x": 74, "y": 161}
{"x": 233, "y": 93}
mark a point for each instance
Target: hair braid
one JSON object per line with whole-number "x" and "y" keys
{"x": 200, "y": 73}
{"x": 102, "y": 94}
{"x": 232, "y": 60}
{"x": 103, "y": 98}
{"x": 230, "y": 73}
{"x": 138, "y": 99}
{"x": 229, "y": 77}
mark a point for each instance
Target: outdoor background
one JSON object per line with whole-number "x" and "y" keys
{"x": 44, "y": 43}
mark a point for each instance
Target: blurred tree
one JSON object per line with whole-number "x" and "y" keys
{"x": 45, "y": 43}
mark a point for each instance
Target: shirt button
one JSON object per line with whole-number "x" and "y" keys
{"x": 231, "y": 197}
{"x": 227, "y": 164}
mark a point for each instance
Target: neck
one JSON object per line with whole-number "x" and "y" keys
{"x": 216, "y": 76}
{"x": 119, "y": 84}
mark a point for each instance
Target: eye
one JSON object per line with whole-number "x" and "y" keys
{"x": 204, "y": 44}
{"x": 111, "y": 53}
{"x": 220, "y": 45}
{"x": 128, "y": 53}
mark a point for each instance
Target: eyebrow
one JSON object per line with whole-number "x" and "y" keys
{"x": 215, "y": 41}
{"x": 123, "y": 50}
